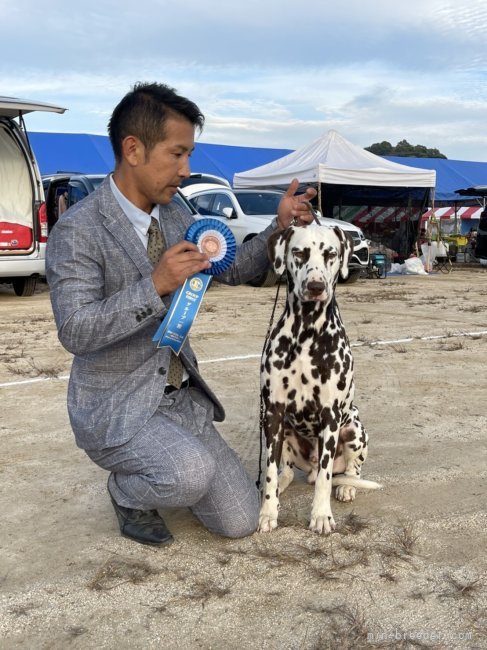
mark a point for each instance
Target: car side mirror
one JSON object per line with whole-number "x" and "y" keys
{"x": 229, "y": 213}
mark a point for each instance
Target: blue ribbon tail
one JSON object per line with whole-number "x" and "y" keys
{"x": 174, "y": 329}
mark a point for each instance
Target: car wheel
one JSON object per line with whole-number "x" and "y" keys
{"x": 353, "y": 276}
{"x": 267, "y": 279}
{"x": 24, "y": 286}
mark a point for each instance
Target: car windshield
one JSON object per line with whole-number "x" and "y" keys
{"x": 259, "y": 202}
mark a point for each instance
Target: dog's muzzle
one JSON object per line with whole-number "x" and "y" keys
{"x": 315, "y": 290}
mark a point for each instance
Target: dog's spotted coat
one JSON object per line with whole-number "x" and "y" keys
{"x": 307, "y": 378}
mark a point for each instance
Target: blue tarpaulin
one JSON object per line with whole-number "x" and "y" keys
{"x": 85, "y": 153}
{"x": 72, "y": 152}
{"x": 92, "y": 154}
{"x": 451, "y": 175}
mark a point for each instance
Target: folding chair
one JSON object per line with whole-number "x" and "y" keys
{"x": 442, "y": 262}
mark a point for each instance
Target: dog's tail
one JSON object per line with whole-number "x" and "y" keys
{"x": 342, "y": 479}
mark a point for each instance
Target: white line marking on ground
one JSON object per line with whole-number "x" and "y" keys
{"x": 243, "y": 357}
{"x": 36, "y": 380}
{"x": 240, "y": 357}
{"x": 420, "y": 338}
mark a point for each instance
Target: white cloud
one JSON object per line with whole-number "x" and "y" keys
{"x": 265, "y": 73}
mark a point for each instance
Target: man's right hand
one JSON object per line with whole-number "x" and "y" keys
{"x": 176, "y": 264}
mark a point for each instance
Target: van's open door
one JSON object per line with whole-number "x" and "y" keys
{"x": 14, "y": 107}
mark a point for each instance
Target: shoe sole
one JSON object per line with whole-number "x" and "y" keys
{"x": 167, "y": 542}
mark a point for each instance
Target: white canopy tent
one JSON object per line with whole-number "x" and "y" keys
{"x": 334, "y": 160}
{"x": 347, "y": 176}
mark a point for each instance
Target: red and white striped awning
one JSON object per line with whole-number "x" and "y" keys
{"x": 379, "y": 214}
{"x": 471, "y": 212}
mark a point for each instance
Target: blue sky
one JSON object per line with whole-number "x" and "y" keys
{"x": 269, "y": 73}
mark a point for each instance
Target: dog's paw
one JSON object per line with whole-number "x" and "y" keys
{"x": 345, "y": 493}
{"x": 266, "y": 524}
{"x": 322, "y": 524}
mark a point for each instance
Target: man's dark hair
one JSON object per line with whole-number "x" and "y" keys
{"x": 143, "y": 113}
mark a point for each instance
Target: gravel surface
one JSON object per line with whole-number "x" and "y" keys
{"x": 406, "y": 567}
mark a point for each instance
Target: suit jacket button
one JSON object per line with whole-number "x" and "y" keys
{"x": 162, "y": 371}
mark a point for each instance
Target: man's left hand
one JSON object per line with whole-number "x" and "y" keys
{"x": 293, "y": 208}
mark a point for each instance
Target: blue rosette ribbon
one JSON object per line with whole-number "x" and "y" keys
{"x": 216, "y": 240}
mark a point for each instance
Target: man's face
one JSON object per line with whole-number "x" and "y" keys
{"x": 163, "y": 168}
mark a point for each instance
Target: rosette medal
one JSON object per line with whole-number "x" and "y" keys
{"x": 217, "y": 241}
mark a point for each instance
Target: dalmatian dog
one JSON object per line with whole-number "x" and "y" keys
{"x": 309, "y": 419}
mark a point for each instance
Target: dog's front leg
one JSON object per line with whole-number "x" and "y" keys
{"x": 270, "y": 500}
{"x": 274, "y": 434}
{"x": 321, "y": 516}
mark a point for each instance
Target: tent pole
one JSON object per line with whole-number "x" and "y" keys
{"x": 319, "y": 199}
{"x": 430, "y": 227}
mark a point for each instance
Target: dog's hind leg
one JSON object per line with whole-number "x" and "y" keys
{"x": 297, "y": 452}
{"x": 353, "y": 441}
{"x": 286, "y": 474}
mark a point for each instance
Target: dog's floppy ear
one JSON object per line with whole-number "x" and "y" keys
{"x": 346, "y": 250}
{"x": 277, "y": 246}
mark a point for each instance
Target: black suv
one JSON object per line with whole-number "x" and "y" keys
{"x": 64, "y": 189}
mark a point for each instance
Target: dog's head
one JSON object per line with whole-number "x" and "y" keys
{"x": 312, "y": 256}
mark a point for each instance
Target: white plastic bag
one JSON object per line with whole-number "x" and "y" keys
{"x": 414, "y": 266}
{"x": 396, "y": 268}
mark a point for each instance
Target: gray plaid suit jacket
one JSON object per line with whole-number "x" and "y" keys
{"x": 107, "y": 310}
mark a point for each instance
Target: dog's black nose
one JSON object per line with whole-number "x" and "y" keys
{"x": 315, "y": 288}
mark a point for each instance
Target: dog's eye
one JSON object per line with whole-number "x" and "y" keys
{"x": 298, "y": 254}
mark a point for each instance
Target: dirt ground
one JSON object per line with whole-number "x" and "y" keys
{"x": 407, "y": 565}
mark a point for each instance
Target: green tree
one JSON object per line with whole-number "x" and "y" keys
{"x": 381, "y": 148}
{"x": 403, "y": 148}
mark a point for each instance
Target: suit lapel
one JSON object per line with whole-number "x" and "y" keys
{"x": 172, "y": 224}
{"x": 120, "y": 227}
{"x": 122, "y": 230}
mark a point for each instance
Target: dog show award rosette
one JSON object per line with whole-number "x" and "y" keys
{"x": 217, "y": 241}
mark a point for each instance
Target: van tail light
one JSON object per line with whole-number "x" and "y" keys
{"x": 42, "y": 216}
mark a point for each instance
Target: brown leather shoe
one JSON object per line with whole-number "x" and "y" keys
{"x": 143, "y": 526}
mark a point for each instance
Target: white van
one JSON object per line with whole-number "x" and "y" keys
{"x": 23, "y": 219}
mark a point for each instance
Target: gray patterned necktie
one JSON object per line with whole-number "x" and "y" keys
{"x": 155, "y": 248}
